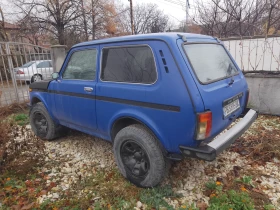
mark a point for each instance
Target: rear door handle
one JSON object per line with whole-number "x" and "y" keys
{"x": 88, "y": 89}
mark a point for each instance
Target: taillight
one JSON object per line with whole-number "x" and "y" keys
{"x": 20, "y": 72}
{"x": 247, "y": 98}
{"x": 204, "y": 125}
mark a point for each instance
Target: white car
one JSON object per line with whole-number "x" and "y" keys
{"x": 34, "y": 71}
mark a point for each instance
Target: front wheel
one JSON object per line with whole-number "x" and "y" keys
{"x": 42, "y": 124}
{"x": 139, "y": 156}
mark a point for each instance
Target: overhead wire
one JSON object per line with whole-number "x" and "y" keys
{"x": 175, "y": 2}
{"x": 172, "y": 4}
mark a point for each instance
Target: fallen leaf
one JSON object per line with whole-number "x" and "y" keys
{"x": 43, "y": 192}
{"x": 202, "y": 205}
{"x": 28, "y": 206}
{"x": 15, "y": 207}
{"x": 257, "y": 191}
{"x": 52, "y": 184}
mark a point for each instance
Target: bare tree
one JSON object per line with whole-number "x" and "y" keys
{"x": 83, "y": 10}
{"x": 147, "y": 19}
{"x": 54, "y": 16}
{"x": 225, "y": 18}
{"x": 97, "y": 19}
{"x": 272, "y": 16}
{"x": 3, "y": 33}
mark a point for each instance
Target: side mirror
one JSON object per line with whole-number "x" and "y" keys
{"x": 55, "y": 75}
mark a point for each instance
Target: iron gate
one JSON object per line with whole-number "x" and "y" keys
{"x": 21, "y": 64}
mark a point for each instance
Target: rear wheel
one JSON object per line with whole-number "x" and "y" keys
{"x": 139, "y": 156}
{"x": 43, "y": 125}
{"x": 36, "y": 78}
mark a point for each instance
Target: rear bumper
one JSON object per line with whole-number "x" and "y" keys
{"x": 23, "y": 77}
{"x": 210, "y": 151}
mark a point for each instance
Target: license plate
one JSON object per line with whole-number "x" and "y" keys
{"x": 231, "y": 107}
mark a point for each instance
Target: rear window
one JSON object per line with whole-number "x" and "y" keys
{"x": 210, "y": 62}
{"x": 27, "y": 64}
{"x": 131, "y": 64}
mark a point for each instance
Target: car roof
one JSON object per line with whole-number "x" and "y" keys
{"x": 168, "y": 36}
{"x": 38, "y": 61}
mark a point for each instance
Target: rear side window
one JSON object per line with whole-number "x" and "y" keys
{"x": 128, "y": 64}
{"x": 210, "y": 62}
{"x": 44, "y": 64}
{"x": 82, "y": 65}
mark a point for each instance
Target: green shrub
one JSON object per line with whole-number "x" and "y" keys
{"x": 231, "y": 200}
{"x": 154, "y": 197}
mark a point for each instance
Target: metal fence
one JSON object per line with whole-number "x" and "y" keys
{"x": 255, "y": 53}
{"x": 21, "y": 64}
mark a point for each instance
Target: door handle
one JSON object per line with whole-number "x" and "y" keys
{"x": 88, "y": 89}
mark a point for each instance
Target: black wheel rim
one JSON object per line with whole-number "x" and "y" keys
{"x": 135, "y": 159}
{"x": 40, "y": 123}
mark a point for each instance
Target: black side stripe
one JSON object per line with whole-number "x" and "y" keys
{"x": 80, "y": 95}
{"x": 140, "y": 103}
{"x": 116, "y": 100}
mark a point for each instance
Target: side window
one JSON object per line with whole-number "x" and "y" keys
{"x": 43, "y": 64}
{"x": 82, "y": 65}
{"x": 50, "y": 64}
{"x": 128, "y": 64}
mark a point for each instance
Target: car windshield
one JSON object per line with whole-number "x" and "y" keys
{"x": 27, "y": 64}
{"x": 210, "y": 62}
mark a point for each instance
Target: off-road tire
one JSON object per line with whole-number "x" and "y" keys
{"x": 53, "y": 130}
{"x": 146, "y": 140}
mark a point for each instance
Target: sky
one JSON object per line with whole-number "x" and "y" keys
{"x": 175, "y": 10}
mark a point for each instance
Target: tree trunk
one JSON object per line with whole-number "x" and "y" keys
{"x": 3, "y": 33}
{"x": 93, "y": 20}
{"x": 61, "y": 38}
{"x": 84, "y": 20}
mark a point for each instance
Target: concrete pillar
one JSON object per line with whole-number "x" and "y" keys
{"x": 58, "y": 53}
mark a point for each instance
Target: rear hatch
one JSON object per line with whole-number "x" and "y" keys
{"x": 220, "y": 82}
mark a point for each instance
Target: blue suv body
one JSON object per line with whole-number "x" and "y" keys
{"x": 163, "y": 94}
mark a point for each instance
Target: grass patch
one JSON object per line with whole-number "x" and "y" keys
{"x": 247, "y": 180}
{"x": 21, "y": 119}
{"x": 269, "y": 207}
{"x": 238, "y": 194}
{"x": 230, "y": 200}
{"x": 107, "y": 189}
{"x": 154, "y": 197}
{"x": 19, "y": 192}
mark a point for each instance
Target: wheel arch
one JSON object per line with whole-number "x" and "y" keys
{"x": 36, "y": 97}
{"x": 126, "y": 120}
{"x": 35, "y": 100}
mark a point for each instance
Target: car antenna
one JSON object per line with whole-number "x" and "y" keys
{"x": 182, "y": 37}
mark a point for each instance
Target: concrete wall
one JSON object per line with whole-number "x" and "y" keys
{"x": 264, "y": 93}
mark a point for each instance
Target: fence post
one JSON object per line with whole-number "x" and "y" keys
{"x": 11, "y": 70}
{"x": 58, "y": 53}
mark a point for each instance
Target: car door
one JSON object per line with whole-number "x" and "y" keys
{"x": 74, "y": 90}
{"x": 45, "y": 69}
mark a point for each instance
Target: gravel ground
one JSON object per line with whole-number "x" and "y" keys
{"x": 78, "y": 155}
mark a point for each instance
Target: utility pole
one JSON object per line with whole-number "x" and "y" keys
{"x": 187, "y": 14}
{"x": 131, "y": 17}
